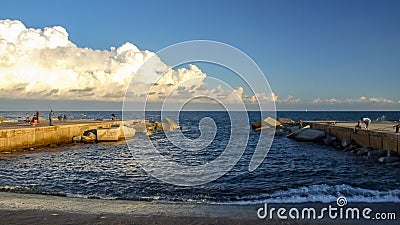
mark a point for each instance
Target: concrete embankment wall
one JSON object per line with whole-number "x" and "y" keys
{"x": 374, "y": 139}
{"x": 31, "y": 137}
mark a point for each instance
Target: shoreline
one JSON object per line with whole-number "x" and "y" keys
{"x": 45, "y": 209}
{"x": 18, "y": 208}
{"x": 17, "y": 201}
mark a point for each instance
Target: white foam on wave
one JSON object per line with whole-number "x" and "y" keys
{"x": 315, "y": 193}
{"x": 90, "y": 196}
{"x": 17, "y": 188}
{"x": 321, "y": 193}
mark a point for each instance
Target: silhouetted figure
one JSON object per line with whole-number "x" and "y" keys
{"x": 37, "y": 114}
{"x": 113, "y": 116}
{"x": 33, "y": 121}
{"x": 51, "y": 114}
{"x": 397, "y": 127}
{"x": 357, "y": 127}
{"x": 367, "y": 122}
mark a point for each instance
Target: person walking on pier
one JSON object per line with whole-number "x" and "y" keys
{"x": 51, "y": 114}
{"x": 367, "y": 122}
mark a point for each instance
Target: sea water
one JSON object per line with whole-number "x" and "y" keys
{"x": 292, "y": 172}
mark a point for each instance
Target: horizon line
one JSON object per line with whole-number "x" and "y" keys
{"x": 289, "y": 110}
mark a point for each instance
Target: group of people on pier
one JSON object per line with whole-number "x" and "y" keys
{"x": 35, "y": 119}
{"x": 367, "y": 121}
{"x": 363, "y": 120}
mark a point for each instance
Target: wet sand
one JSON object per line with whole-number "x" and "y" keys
{"x": 43, "y": 209}
{"x": 37, "y": 209}
{"x": 55, "y": 217}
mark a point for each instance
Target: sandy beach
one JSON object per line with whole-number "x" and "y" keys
{"x": 43, "y": 209}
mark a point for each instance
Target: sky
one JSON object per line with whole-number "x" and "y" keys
{"x": 316, "y": 55}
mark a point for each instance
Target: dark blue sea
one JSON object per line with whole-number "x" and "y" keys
{"x": 292, "y": 172}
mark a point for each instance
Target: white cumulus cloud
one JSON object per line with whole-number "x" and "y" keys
{"x": 290, "y": 99}
{"x": 362, "y": 99}
{"x": 45, "y": 64}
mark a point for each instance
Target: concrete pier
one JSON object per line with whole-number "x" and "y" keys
{"x": 381, "y": 135}
{"x": 14, "y": 136}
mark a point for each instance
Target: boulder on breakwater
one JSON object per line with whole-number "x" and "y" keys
{"x": 310, "y": 135}
{"x": 389, "y": 159}
{"x": 286, "y": 121}
{"x": 298, "y": 131}
{"x": 89, "y": 136}
{"x": 267, "y": 123}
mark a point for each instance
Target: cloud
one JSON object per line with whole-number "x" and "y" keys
{"x": 289, "y": 99}
{"x": 317, "y": 101}
{"x": 260, "y": 98}
{"x": 45, "y": 64}
{"x": 362, "y": 99}
{"x": 381, "y": 100}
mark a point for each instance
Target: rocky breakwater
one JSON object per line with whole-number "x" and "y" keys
{"x": 115, "y": 132}
{"x": 379, "y": 155}
{"x": 149, "y": 127}
{"x": 286, "y": 126}
{"x": 379, "y": 143}
{"x": 298, "y": 132}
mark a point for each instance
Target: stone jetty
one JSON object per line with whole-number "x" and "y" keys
{"x": 380, "y": 141}
{"x": 19, "y": 135}
{"x": 381, "y": 135}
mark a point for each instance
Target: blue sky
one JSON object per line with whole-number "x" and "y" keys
{"x": 307, "y": 49}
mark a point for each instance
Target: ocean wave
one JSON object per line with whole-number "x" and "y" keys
{"x": 320, "y": 193}
{"x": 314, "y": 193}
{"x": 31, "y": 189}
{"x": 91, "y": 196}
{"x": 18, "y": 189}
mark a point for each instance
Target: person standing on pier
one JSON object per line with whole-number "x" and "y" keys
{"x": 367, "y": 122}
{"x": 37, "y": 115}
{"x": 51, "y": 114}
{"x": 357, "y": 127}
{"x": 397, "y": 127}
